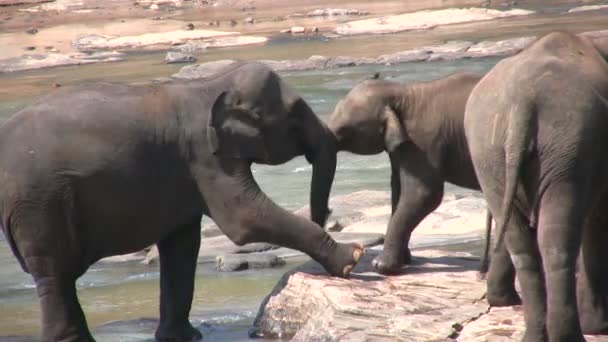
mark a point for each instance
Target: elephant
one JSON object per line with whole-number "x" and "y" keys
{"x": 105, "y": 169}
{"x": 537, "y": 127}
{"x": 420, "y": 126}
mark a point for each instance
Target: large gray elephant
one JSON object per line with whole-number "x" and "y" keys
{"x": 537, "y": 127}
{"x": 420, "y": 126}
{"x": 106, "y": 169}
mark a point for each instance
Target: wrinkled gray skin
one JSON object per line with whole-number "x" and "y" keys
{"x": 537, "y": 126}
{"x": 420, "y": 126}
{"x": 108, "y": 169}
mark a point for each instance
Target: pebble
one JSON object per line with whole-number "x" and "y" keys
{"x": 297, "y": 30}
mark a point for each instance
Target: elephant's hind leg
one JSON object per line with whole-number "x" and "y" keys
{"x": 563, "y": 209}
{"x": 55, "y": 266}
{"x": 522, "y": 244}
{"x": 501, "y": 279}
{"x": 592, "y": 285}
{"x": 178, "y": 254}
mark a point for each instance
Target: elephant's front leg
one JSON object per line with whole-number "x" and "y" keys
{"x": 501, "y": 279}
{"x": 592, "y": 281}
{"x": 421, "y": 190}
{"x": 395, "y": 196}
{"x": 178, "y": 254}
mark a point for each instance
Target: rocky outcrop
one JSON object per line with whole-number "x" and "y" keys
{"x": 21, "y": 2}
{"x": 46, "y": 60}
{"x": 104, "y": 42}
{"x": 588, "y": 8}
{"x": 438, "y": 298}
{"x": 424, "y": 20}
{"x": 220, "y": 42}
{"x": 450, "y": 50}
{"x": 176, "y": 57}
{"x": 229, "y": 257}
{"x": 240, "y": 262}
{"x": 335, "y": 12}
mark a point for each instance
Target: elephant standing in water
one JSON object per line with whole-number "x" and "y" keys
{"x": 420, "y": 126}
{"x": 109, "y": 169}
{"x": 537, "y": 126}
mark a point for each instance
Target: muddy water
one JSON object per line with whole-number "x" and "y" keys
{"x": 225, "y": 304}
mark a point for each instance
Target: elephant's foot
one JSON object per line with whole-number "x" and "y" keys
{"x": 344, "y": 259}
{"x": 386, "y": 265}
{"x": 592, "y": 318}
{"x": 500, "y": 298}
{"x": 534, "y": 336}
{"x": 407, "y": 257}
{"x": 593, "y": 324}
{"x": 183, "y": 333}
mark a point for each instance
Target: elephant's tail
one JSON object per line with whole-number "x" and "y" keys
{"x": 485, "y": 258}
{"x": 6, "y": 229}
{"x": 517, "y": 144}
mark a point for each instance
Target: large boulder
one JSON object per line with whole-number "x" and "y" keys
{"x": 438, "y": 298}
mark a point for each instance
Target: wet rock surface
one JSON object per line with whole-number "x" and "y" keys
{"x": 240, "y": 262}
{"x": 450, "y": 50}
{"x": 176, "y": 57}
{"x": 437, "y": 298}
{"x": 46, "y": 60}
{"x": 424, "y": 20}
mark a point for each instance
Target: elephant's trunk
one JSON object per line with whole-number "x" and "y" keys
{"x": 320, "y": 149}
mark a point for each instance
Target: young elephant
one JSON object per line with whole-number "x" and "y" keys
{"x": 420, "y": 126}
{"x": 537, "y": 126}
{"x": 108, "y": 169}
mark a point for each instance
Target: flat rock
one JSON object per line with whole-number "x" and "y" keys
{"x": 587, "y": 8}
{"x": 438, "y": 298}
{"x": 424, "y": 20}
{"x": 414, "y": 55}
{"x": 105, "y": 42}
{"x": 220, "y": 42}
{"x": 350, "y": 208}
{"x": 47, "y": 60}
{"x": 328, "y": 12}
{"x": 21, "y": 2}
{"x": 499, "y": 48}
{"x": 57, "y": 5}
{"x": 240, "y": 262}
{"x": 203, "y": 70}
{"x": 449, "y": 50}
{"x": 176, "y": 57}
{"x": 222, "y": 245}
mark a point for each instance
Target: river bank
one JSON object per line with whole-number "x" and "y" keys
{"x": 32, "y": 40}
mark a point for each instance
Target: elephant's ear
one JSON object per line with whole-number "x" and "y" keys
{"x": 394, "y": 133}
{"x": 233, "y": 131}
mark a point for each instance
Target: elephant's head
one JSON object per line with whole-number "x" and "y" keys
{"x": 260, "y": 119}
{"x": 365, "y": 121}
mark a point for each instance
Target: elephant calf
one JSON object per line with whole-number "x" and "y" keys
{"x": 420, "y": 126}
{"x": 537, "y": 127}
{"x": 108, "y": 169}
